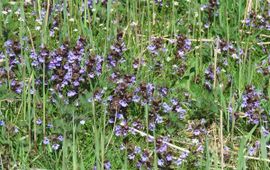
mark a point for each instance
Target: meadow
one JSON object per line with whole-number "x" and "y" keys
{"x": 134, "y": 84}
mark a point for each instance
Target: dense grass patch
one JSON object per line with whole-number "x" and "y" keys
{"x": 134, "y": 84}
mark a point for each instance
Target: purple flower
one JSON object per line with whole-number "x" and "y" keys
{"x": 2, "y": 123}
{"x": 166, "y": 107}
{"x": 179, "y": 109}
{"x": 150, "y": 139}
{"x": 174, "y": 102}
{"x": 55, "y": 146}
{"x": 137, "y": 150}
{"x": 139, "y": 164}
{"x": 39, "y": 121}
{"x": 169, "y": 157}
{"x": 230, "y": 109}
{"x": 257, "y": 144}
{"x": 49, "y": 125}
{"x": 91, "y": 75}
{"x": 60, "y": 138}
{"x": 98, "y": 96}
{"x": 203, "y": 7}
{"x": 51, "y": 33}
{"x": 18, "y": 90}
{"x": 152, "y": 126}
{"x": 163, "y": 91}
{"x": 251, "y": 104}
{"x": 150, "y": 87}
{"x": 111, "y": 120}
{"x": 136, "y": 98}
{"x": 252, "y": 151}
{"x": 196, "y": 132}
{"x": 179, "y": 161}
{"x": 41, "y": 60}
{"x": 160, "y": 162}
{"x": 207, "y": 25}
{"x": 123, "y": 103}
{"x": 144, "y": 157}
{"x": 107, "y": 165}
{"x": 131, "y": 156}
{"x": 71, "y": 93}
{"x": 244, "y": 104}
{"x": 162, "y": 148}
{"x": 46, "y": 141}
{"x": 76, "y": 83}
{"x": 159, "y": 2}
{"x": 159, "y": 119}
{"x": 265, "y": 132}
{"x": 8, "y": 43}
{"x": 152, "y": 49}
{"x": 33, "y": 55}
{"x": 200, "y": 148}
{"x": 184, "y": 155}
{"x": 119, "y": 116}
{"x": 118, "y": 130}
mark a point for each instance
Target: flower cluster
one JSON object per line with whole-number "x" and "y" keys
{"x": 165, "y": 155}
{"x": 197, "y": 129}
{"x": 9, "y": 65}
{"x": 69, "y": 70}
{"x": 251, "y": 106}
{"x": 138, "y": 63}
{"x": 124, "y": 95}
{"x": 121, "y": 97}
{"x": 227, "y": 48}
{"x": 259, "y": 20}
{"x": 91, "y": 3}
{"x": 209, "y": 76}
{"x": 66, "y": 68}
{"x": 42, "y": 58}
{"x": 183, "y": 45}
{"x": 156, "y": 46}
{"x": 252, "y": 151}
{"x": 159, "y": 2}
{"x": 116, "y": 53}
{"x": 54, "y": 140}
{"x": 224, "y": 49}
{"x": 94, "y": 66}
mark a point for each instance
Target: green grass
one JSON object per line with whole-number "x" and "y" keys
{"x": 94, "y": 143}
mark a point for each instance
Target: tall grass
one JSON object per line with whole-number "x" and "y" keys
{"x": 93, "y": 144}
